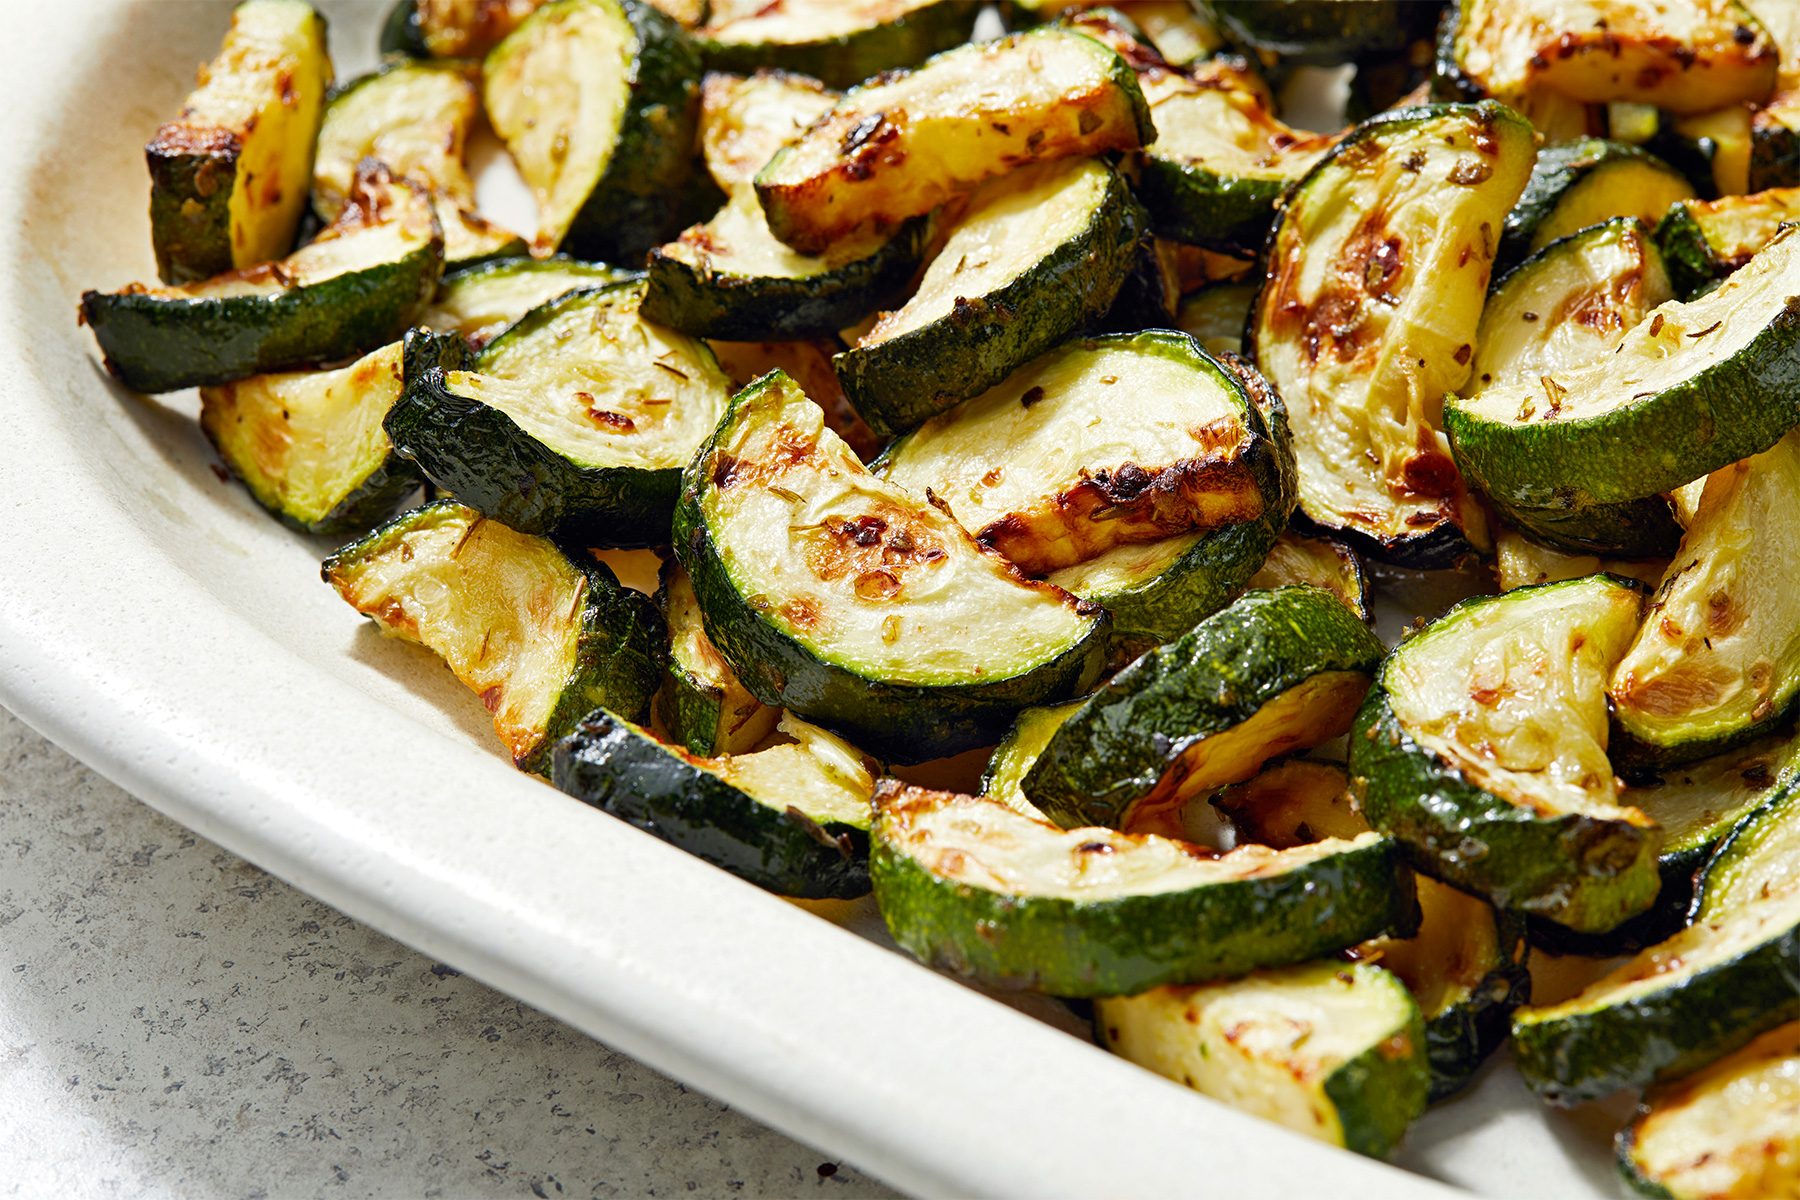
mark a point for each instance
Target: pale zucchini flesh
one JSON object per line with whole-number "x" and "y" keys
{"x": 703, "y": 706}
{"x": 482, "y": 300}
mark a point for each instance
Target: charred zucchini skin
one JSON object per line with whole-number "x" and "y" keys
{"x": 848, "y": 59}
{"x": 402, "y": 32}
{"x": 1559, "y": 169}
{"x": 623, "y": 770}
{"x": 190, "y": 207}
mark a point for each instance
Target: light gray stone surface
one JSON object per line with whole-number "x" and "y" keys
{"x": 175, "y": 1022}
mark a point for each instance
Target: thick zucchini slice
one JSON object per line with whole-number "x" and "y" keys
{"x": 809, "y": 364}
{"x": 841, "y": 42}
{"x": 1332, "y": 1050}
{"x": 1038, "y": 254}
{"x": 1717, "y": 661}
{"x": 451, "y": 28}
{"x": 1729, "y": 1131}
{"x": 1275, "y": 672}
{"x": 1319, "y": 561}
{"x": 1587, "y": 182}
{"x": 900, "y": 145}
{"x": 1760, "y": 857}
{"x": 1216, "y": 315}
{"x": 978, "y": 888}
{"x": 542, "y": 638}
{"x": 1017, "y": 751}
{"x": 577, "y": 420}
{"x": 1377, "y": 269}
{"x": 415, "y": 117}
{"x": 703, "y": 706}
{"x": 357, "y": 286}
{"x": 1706, "y": 240}
{"x": 598, "y": 101}
{"x": 1221, "y": 159}
{"x": 1323, "y": 31}
{"x": 1693, "y": 387}
{"x": 228, "y": 176}
{"x": 1483, "y": 747}
{"x": 480, "y": 301}
{"x": 792, "y": 818}
{"x": 854, "y": 603}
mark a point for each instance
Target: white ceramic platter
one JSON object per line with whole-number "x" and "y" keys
{"x": 158, "y": 625}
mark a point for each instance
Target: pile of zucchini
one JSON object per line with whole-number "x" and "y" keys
{"x": 1026, "y": 407}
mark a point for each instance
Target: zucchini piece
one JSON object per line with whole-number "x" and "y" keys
{"x": 357, "y": 286}
{"x": 1588, "y": 182}
{"x": 1706, "y": 240}
{"x": 793, "y": 819}
{"x": 1729, "y": 1131}
{"x": 1760, "y": 857}
{"x": 1482, "y": 746}
{"x": 598, "y": 101}
{"x": 228, "y": 176}
{"x": 1520, "y": 562}
{"x": 1353, "y": 305}
{"x": 1150, "y": 291}
{"x": 1717, "y": 661}
{"x": 841, "y": 42}
{"x": 415, "y": 117}
{"x": 855, "y": 604}
{"x": 1693, "y": 387}
{"x": 809, "y": 363}
{"x": 309, "y": 445}
{"x": 541, "y": 637}
{"x": 1013, "y": 757}
{"x": 1323, "y": 32}
{"x": 1177, "y": 30}
{"x": 744, "y": 120}
{"x": 1275, "y": 672}
{"x": 703, "y": 706}
{"x": 1702, "y": 804}
{"x": 900, "y": 145}
{"x": 1713, "y": 149}
{"x": 1331, "y": 1050}
{"x": 1216, "y": 315}
{"x": 480, "y": 301}
{"x": 1320, "y": 562}
{"x": 1037, "y": 255}
{"x": 577, "y": 420}
{"x": 451, "y": 28}
{"x": 979, "y": 889}
{"x": 1221, "y": 159}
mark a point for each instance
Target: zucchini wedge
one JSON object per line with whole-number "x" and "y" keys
{"x": 416, "y": 118}
{"x": 480, "y": 301}
{"x": 1760, "y": 857}
{"x": 1332, "y": 1050}
{"x": 977, "y": 888}
{"x": 809, "y": 363}
{"x": 542, "y": 638}
{"x": 703, "y": 706}
{"x": 1520, "y": 562}
{"x": 841, "y": 42}
{"x": 1692, "y": 388}
{"x": 1586, "y": 182}
{"x": 793, "y": 818}
{"x": 451, "y": 28}
{"x": 1352, "y": 307}
{"x": 358, "y": 285}
{"x": 1037, "y": 255}
{"x": 1321, "y": 562}
{"x": 1275, "y": 672}
{"x": 745, "y": 119}
{"x": 1482, "y": 746}
{"x": 228, "y": 176}
{"x": 857, "y": 605}
{"x": 598, "y": 102}
{"x": 577, "y": 420}
{"x": 902, "y": 144}
{"x": 1706, "y": 240}
{"x": 1216, "y": 315}
{"x": 1176, "y": 29}
{"x": 1729, "y": 1131}
{"x": 1327, "y": 32}
{"x": 1016, "y": 752}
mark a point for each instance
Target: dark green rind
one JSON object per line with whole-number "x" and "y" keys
{"x": 1774, "y": 151}
{"x": 688, "y": 708}
{"x": 1624, "y": 1144}
{"x": 581, "y": 275}
{"x": 1116, "y": 748}
{"x": 1379, "y": 1093}
{"x": 190, "y": 210}
{"x": 848, "y": 59}
{"x": 1463, "y": 1036}
{"x": 401, "y": 32}
{"x": 1560, "y": 168}
{"x": 1449, "y": 82}
{"x": 1325, "y": 32}
{"x": 900, "y": 383}
{"x": 1189, "y": 203}
{"x": 624, "y": 770}
{"x": 1643, "y": 528}
{"x": 1149, "y": 295}
{"x": 1687, "y": 253}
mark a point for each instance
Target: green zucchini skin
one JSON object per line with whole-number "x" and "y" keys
{"x": 1644, "y": 528}
{"x": 849, "y": 58}
{"x": 1189, "y": 203}
{"x": 623, "y": 770}
{"x": 1116, "y": 749}
{"x": 1466, "y": 1034}
{"x": 1730, "y": 878}
{"x": 1559, "y": 169}
{"x": 402, "y": 31}
{"x": 483, "y": 300}
{"x": 1322, "y": 31}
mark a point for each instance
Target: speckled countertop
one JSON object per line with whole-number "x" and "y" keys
{"x": 175, "y": 1022}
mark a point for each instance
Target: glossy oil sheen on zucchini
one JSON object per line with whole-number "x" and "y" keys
{"x": 703, "y": 706}
{"x": 841, "y": 42}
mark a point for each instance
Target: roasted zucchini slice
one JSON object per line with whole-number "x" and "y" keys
{"x": 1701, "y": 804}
{"x": 1328, "y": 32}
{"x": 793, "y": 818}
{"x": 980, "y": 889}
{"x": 1216, "y": 314}
{"x": 703, "y": 706}
{"x": 850, "y": 601}
{"x": 542, "y": 638}
{"x": 1483, "y": 747}
{"x": 1729, "y": 1131}
{"x": 1332, "y": 1050}
{"x": 598, "y": 101}
{"x": 1587, "y": 182}
{"x": 1176, "y": 28}
{"x": 480, "y": 301}
{"x": 1521, "y": 562}
{"x": 358, "y": 285}
{"x": 1760, "y": 857}
{"x": 228, "y": 176}
{"x": 1016, "y": 752}
{"x": 576, "y": 420}
{"x": 1693, "y": 387}
{"x": 415, "y": 117}
{"x": 744, "y": 120}
{"x": 1038, "y": 254}
{"x": 1276, "y": 671}
{"x": 451, "y": 28}
{"x": 1320, "y": 562}
{"x": 841, "y": 42}
{"x": 900, "y": 145}
{"x": 1377, "y": 269}
{"x": 1706, "y": 240}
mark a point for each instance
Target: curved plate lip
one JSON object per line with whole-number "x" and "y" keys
{"x": 111, "y": 650}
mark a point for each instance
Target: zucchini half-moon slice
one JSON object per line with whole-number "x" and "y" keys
{"x": 1587, "y": 182}
{"x": 1013, "y": 757}
{"x": 841, "y": 42}
{"x": 481, "y": 300}
{"x": 1320, "y": 562}
{"x": 857, "y": 604}
{"x": 1378, "y": 266}
{"x": 542, "y": 638}
{"x": 978, "y": 888}
{"x": 1706, "y": 240}
{"x": 703, "y": 706}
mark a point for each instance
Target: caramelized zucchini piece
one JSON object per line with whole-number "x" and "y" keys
{"x": 1587, "y": 182}
{"x": 1320, "y": 562}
